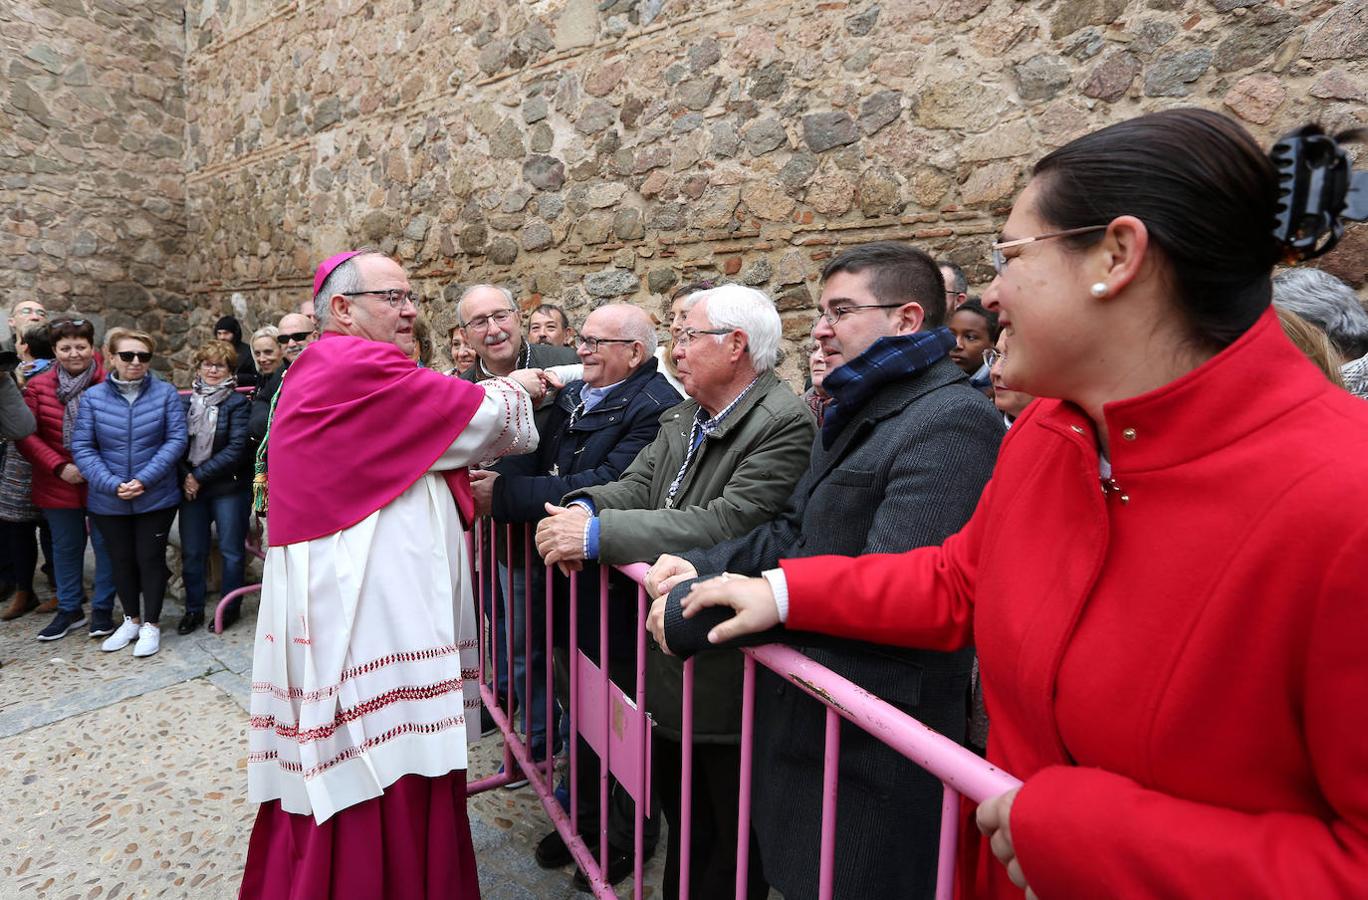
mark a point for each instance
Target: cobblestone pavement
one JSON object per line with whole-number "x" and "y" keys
{"x": 126, "y": 777}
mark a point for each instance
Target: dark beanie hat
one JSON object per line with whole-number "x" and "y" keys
{"x": 228, "y": 323}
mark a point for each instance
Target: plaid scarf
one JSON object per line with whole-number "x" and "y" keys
{"x": 887, "y": 359}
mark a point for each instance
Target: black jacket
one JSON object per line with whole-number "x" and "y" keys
{"x": 600, "y": 446}
{"x": 906, "y": 471}
{"x": 229, "y": 466}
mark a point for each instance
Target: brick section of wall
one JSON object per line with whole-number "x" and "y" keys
{"x": 92, "y": 186}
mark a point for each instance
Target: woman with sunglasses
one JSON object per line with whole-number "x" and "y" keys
{"x": 1165, "y": 577}
{"x": 216, "y": 481}
{"x": 59, "y": 485}
{"x": 130, "y": 434}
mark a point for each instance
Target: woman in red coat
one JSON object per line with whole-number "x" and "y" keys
{"x": 59, "y": 488}
{"x": 1166, "y": 576}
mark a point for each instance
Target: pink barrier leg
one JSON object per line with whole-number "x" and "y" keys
{"x": 686, "y": 778}
{"x": 831, "y": 768}
{"x": 574, "y": 703}
{"x": 744, "y": 800}
{"x": 551, "y": 730}
{"x": 604, "y": 764}
{"x": 639, "y": 829}
{"x": 229, "y": 598}
{"x": 510, "y": 733}
{"x": 527, "y": 628}
{"x": 945, "y": 865}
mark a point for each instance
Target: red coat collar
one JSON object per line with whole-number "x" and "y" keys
{"x": 1206, "y": 409}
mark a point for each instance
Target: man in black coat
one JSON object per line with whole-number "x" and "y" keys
{"x": 902, "y": 457}
{"x": 595, "y": 428}
{"x": 489, "y": 318}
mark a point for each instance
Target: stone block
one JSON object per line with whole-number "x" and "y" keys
{"x": 1112, "y": 77}
{"x": 601, "y": 81}
{"x": 1337, "y": 84}
{"x": 474, "y": 237}
{"x": 611, "y": 283}
{"x": 862, "y": 22}
{"x": 595, "y": 117}
{"x": 704, "y": 54}
{"x": 879, "y": 109}
{"x": 1170, "y": 74}
{"x": 767, "y": 200}
{"x": 757, "y": 272}
{"x": 658, "y": 281}
{"x": 717, "y": 207}
{"x": 503, "y": 250}
{"x": 1256, "y": 37}
{"x": 825, "y": 130}
{"x": 534, "y": 109}
{"x": 507, "y": 141}
{"x": 961, "y": 105}
{"x": 545, "y": 173}
{"x": 627, "y": 224}
{"x": 991, "y": 183}
{"x": 697, "y": 93}
{"x": 1042, "y": 76}
{"x": 1341, "y": 33}
{"x": 880, "y": 192}
{"x": 594, "y": 228}
{"x": 831, "y": 193}
{"x": 537, "y": 236}
{"x": 763, "y": 135}
{"x": 1255, "y": 98}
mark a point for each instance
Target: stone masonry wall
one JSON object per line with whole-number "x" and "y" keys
{"x": 582, "y": 151}
{"x": 92, "y": 128}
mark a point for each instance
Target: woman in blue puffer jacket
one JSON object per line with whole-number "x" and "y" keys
{"x": 130, "y": 434}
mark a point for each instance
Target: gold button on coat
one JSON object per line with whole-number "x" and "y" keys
{"x": 1128, "y": 434}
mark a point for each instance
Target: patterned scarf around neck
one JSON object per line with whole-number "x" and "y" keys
{"x": 887, "y": 359}
{"x": 69, "y": 388}
{"x": 204, "y": 409}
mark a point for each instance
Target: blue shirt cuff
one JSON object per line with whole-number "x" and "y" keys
{"x": 586, "y": 503}
{"x": 591, "y": 539}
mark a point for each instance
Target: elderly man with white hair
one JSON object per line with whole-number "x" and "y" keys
{"x": 1332, "y": 306}
{"x": 723, "y": 462}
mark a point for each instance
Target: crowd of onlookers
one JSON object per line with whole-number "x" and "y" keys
{"x": 97, "y": 445}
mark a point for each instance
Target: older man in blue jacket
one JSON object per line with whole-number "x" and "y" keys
{"x": 596, "y": 429}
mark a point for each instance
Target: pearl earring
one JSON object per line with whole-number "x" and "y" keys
{"x": 1099, "y": 289}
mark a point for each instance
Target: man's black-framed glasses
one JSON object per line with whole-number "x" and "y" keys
{"x": 592, "y": 343}
{"x": 394, "y": 297}
{"x": 298, "y": 337}
{"x": 836, "y": 313}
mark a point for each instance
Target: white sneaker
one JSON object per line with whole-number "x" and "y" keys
{"x": 149, "y": 640}
{"x": 122, "y": 636}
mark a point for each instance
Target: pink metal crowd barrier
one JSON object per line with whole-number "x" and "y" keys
{"x": 617, "y": 728}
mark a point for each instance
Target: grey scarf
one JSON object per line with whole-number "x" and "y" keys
{"x": 69, "y": 388}
{"x": 204, "y": 409}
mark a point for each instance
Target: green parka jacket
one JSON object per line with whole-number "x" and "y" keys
{"x": 740, "y": 476}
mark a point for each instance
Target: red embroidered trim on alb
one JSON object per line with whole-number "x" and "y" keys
{"x": 324, "y": 693}
{"x": 373, "y": 705}
{"x": 262, "y": 756}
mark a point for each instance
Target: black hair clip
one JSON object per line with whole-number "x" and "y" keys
{"x": 1318, "y": 190}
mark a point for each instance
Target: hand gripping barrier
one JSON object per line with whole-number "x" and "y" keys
{"x": 618, "y": 729}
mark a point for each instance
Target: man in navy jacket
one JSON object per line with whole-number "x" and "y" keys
{"x": 595, "y": 430}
